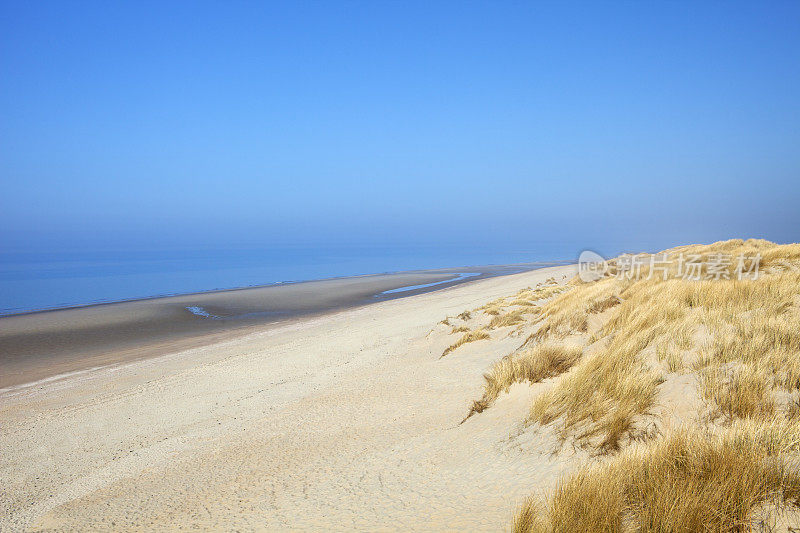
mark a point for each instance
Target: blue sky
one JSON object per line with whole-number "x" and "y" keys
{"x": 462, "y": 123}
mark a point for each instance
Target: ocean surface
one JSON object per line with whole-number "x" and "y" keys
{"x": 31, "y": 281}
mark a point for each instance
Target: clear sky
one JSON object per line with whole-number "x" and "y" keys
{"x": 646, "y": 124}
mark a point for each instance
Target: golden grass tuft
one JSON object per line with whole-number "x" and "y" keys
{"x": 741, "y": 392}
{"x": 460, "y": 329}
{"x": 493, "y": 310}
{"x": 691, "y": 480}
{"x": 466, "y": 315}
{"x": 531, "y": 365}
{"x": 508, "y": 319}
{"x": 472, "y": 336}
{"x": 674, "y": 361}
{"x": 598, "y": 306}
{"x": 600, "y": 398}
{"x": 528, "y": 517}
{"x": 530, "y": 296}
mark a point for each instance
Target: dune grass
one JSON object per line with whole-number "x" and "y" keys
{"x": 569, "y": 311}
{"x": 693, "y": 480}
{"x": 508, "y": 319}
{"x": 531, "y": 365}
{"x": 752, "y": 322}
{"x": 600, "y": 399}
{"x": 598, "y": 306}
{"x": 740, "y": 338}
{"x": 674, "y": 361}
{"x": 472, "y": 336}
{"x": 494, "y": 304}
{"x": 494, "y": 310}
{"x": 741, "y": 392}
{"x": 539, "y": 293}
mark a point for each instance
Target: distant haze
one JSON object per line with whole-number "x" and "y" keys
{"x": 467, "y": 124}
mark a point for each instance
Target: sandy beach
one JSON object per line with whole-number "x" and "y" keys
{"x": 530, "y": 267}
{"x": 345, "y": 420}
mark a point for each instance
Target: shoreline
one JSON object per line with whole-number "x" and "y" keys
{"x": 447, "y": 270}
{"x": 42, "y": 344}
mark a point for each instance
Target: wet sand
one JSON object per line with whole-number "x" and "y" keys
{"x": 37, "y": 346}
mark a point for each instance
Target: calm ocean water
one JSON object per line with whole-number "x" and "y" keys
{"x": 32, "y": 281}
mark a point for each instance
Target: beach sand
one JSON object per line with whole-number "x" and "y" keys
{"x": 338, "y": 421}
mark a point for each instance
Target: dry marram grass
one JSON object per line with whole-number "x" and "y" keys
{"x": 508, "y": 319}
{"x": 690, "y": 481}
{"x": 468, "y": 337}
{"x": 531, "y": 365}
{"x": 740, "y": 339}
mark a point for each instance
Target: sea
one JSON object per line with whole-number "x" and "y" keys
{"x": 39, "y": 280}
